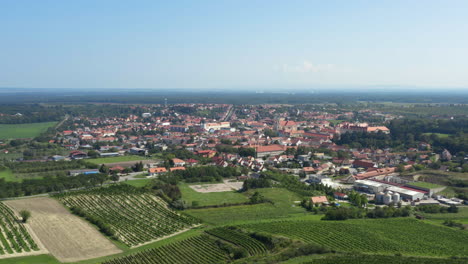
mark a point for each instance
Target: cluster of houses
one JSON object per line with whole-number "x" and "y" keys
{"x": 273, "y": 135}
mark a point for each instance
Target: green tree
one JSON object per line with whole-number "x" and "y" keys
{"x": 25, "y": 215}
{"x": 104, "y": 169}
{"x": 93, "y": 154}
{"x": 115, "y": 177}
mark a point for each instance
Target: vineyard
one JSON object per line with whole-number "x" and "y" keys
{"x": 372, "y": 259}
{"x": 407, "y": 236}
{"x": 196, "y": 250}
{"x": 131, "y": 215}
{"x": 14, "y": 238}
{"x": 253, "y": 246}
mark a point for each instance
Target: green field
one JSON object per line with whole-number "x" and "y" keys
{"x": 40, "y": 259}
{"x": 283, "y": 206}
{"x": 461, "y": 215}
{"x": 387, "y": 236}
{"x": 137, "y": 183}
{"x": 8, "y": 175}
{"x": 116, "y": 159}
{"x": 427, "y": 185}
{"x": 213, "y": 198}
{"x": 29, "y": 130}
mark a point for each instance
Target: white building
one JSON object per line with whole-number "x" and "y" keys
{"x": 216, "y": 126}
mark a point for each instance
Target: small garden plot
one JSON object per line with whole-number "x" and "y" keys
{"x": 14, "y": 238}
{"x": 131, "y": 215}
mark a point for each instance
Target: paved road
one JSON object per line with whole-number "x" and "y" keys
{"x": 228, "y": 113}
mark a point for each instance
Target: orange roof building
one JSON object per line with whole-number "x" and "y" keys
{"x": 318, "y": 199}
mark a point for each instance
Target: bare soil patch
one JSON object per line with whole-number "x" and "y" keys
{"x": 66, "y": 236}
{"x": 226, "y": 186}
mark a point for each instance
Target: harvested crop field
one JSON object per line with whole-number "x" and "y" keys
{"x": 66, "y": 236}
{"x": 226, "y": 186}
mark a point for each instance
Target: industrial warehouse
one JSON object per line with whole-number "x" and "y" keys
{"x": 387, "y": 192}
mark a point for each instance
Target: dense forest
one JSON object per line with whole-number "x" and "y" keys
{"x": 29, "y": 113}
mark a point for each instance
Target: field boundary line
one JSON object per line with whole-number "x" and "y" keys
{"x": 164, "y": 237}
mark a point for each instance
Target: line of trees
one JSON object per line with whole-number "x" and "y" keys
{"x": 205, "y": 174}
{"x": 49, "y": 184}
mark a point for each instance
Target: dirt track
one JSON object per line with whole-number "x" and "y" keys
{"x": 64, "y": 235}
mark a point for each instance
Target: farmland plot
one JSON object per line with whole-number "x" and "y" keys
{"x": 67, "y": 237}
{"x": 131, "y": 215}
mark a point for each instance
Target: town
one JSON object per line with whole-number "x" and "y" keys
{"x": 191, "y": 165}
{"x": 257, "y": 139}
{"x": 233, "y": 132}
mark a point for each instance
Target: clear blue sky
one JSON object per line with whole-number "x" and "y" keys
{"x": 233, "y": 44}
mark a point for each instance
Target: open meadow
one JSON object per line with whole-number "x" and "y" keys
{"x": 66, "y": 236}
{"x": 30, "y": 130}
{"x": 283, "y": 205}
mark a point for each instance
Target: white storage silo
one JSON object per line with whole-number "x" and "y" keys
{"x": 396, "y": 197}
{"x": 387, "y": 198}
{"x": 379, "y": 197}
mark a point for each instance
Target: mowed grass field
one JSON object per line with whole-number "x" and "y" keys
{"x": 283, "y": 206}
{"x": 30, "y": 130}
{"x": 212, "y": 198}
{"x": 116, "y": 159}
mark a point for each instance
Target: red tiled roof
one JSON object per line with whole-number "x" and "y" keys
{"x": 270, "y": 148}
{"x": 318, "y": 199}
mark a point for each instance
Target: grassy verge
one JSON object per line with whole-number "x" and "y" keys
{"x": 40, "y": 259}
